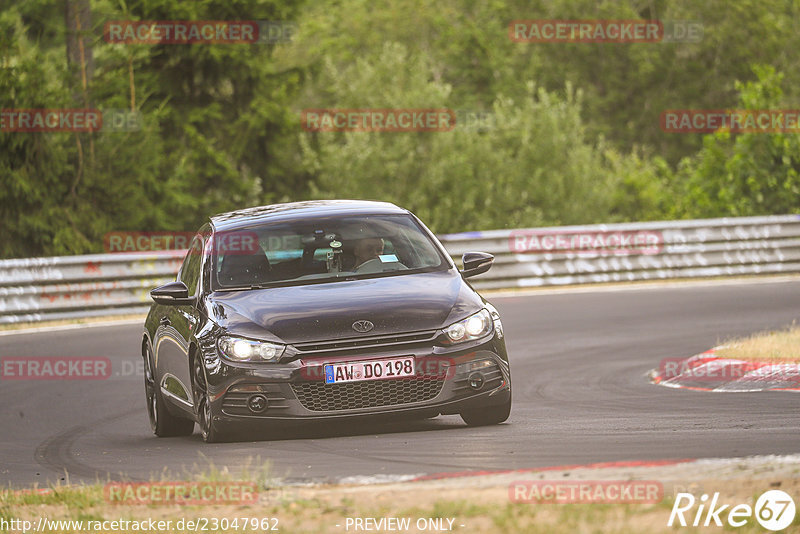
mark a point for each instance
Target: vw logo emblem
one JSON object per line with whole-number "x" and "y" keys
{"x": 363, "y": 326}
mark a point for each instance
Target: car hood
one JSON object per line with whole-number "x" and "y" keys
{"x": 313, "y": 312}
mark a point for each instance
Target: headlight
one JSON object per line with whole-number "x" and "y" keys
{"x": 246, "y": 350}
{"x": 498, "y": 326}
{"x": 473, "y": 327}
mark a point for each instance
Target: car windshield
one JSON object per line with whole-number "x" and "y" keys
{"x": 322, "y": 250}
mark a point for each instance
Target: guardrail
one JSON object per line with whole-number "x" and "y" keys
{"x": 36, "y": 289}
{"x": 66, "y": 287}
{"x": 635, "y": 251}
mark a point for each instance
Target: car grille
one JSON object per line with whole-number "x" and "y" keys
{"x": 409, "y": 338}
{"x": 321, "y": 397}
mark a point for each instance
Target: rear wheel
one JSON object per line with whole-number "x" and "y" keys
{"x": 205, "y": 418}
{"x": 490, "y": 415}
{"x": 162, "y": 423}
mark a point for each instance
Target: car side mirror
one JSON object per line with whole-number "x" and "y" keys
{"x": 476, "y": 263}
{"x": 172, "y": 294}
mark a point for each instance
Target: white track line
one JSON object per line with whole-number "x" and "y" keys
{"x": 42, "y": 329}
{"x": 642, "y": 285}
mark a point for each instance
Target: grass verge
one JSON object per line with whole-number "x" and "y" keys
{"x": 782, "y": 346}
{"x": 460, "y": 507}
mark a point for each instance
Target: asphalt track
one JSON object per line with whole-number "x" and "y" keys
{"x": 580, "y": 396}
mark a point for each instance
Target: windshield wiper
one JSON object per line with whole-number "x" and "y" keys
{"x": 244, "y": 288}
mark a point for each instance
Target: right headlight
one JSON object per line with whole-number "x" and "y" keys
{"x": 475, "y": 326}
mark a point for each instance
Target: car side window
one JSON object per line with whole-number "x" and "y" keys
{"x": 190, "y": 270}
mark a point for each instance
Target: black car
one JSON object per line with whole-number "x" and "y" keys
{"x": 321, "y": 310}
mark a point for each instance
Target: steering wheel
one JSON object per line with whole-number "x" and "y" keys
{"x": 375, "y": 265}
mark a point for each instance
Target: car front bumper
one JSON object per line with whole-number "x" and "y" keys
{"x": 447, "y": 380}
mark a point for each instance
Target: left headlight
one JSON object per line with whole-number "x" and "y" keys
{"x": 473, "y": 327}
{"x": 238, "y": 349}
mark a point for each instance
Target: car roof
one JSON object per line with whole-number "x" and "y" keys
{"x": 302, "y": 210}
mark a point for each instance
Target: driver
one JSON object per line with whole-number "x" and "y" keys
{"x": 367, "y": 249}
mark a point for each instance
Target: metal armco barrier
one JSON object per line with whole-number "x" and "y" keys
{"x": 37, "y": 289}
{"x": 66, "y": 287}
{"x": 635, "y": 251}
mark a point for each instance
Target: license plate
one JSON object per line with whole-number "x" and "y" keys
{"x": 338, "y": 373}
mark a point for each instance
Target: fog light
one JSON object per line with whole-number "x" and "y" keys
{"x": 475, "y": 380}
{"x": 257, "y": 403}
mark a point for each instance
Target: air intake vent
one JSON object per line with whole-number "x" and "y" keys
{"x": 320, "y": 397}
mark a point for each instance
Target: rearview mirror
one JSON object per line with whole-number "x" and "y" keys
{"x": 172, "y": 294}
{"x": 476, "y": 263}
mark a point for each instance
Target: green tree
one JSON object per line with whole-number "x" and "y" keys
{"x": 533, "y": 166}
{"x": 214, "y": 119}
{"x": 748, "y": 173}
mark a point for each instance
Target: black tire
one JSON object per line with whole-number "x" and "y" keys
{"x": 491, "y": 415}
{"x": 162, "y": 423}
{"x": 205, "y": 420}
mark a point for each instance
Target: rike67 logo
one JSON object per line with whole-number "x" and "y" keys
{"x": 774, "y": 510}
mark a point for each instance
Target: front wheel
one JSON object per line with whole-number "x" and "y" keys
{"x": 205, "y": 418}
{"x": 162, "y": 423}
{"x": 491, "y": 415}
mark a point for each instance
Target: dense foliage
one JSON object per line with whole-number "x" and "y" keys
{"x": 573, "y": 137}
